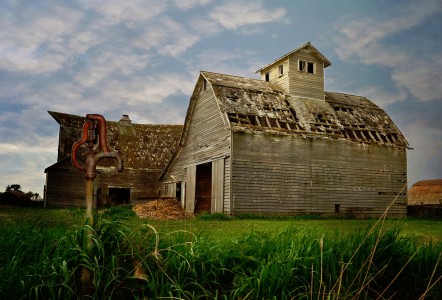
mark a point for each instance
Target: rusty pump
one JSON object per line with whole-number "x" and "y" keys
{"x": 94, "y": 134}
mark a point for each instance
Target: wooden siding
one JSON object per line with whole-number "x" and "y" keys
{"x": 303, "y": 84}
{"x": 144, "y": 185}
{"x": 227, "y": 180}
{"x": 207, "y": 139}
{"x": 293, "y": 175}
{"x": 298, "y": 83}
{"x": 190, "y": 189}
{"x": 276, "y": 78}
{"x": 218, "y": 185}
{"x": 65, "y": 187}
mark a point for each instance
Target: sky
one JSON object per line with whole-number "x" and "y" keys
{"x": 142, "y": 58}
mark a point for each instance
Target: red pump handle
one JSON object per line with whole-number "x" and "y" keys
{"x": 77, "y": 144}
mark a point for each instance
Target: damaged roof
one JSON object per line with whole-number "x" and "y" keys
{"x": 142, "y": 146}
{"x": 257, "y": 105}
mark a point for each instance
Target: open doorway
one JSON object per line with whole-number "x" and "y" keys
{"x": 203, "y": 188}
{"x": 118, "y": 196}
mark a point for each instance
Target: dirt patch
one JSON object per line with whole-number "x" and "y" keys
{"x": 161, "y": 209}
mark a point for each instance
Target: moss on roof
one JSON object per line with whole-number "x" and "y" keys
{"x": 257, "y": 105}
{"x": 142, "y": 146}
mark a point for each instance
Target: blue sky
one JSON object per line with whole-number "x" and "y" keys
{"x": 142, "y": 58}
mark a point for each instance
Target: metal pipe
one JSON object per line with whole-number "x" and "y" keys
{"x": 96, "y": 124}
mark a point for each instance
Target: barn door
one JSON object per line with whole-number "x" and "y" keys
{"x": 189, "y": 205}
{"x": 203, "y": 188}
{"x": 218, "y": 185}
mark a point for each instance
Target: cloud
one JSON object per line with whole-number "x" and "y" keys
{"x": 27, "y": 158}
{"x": 168, "y": 37}
{"x": 380, "y": 96}
{"x": 235, "y": 14}
{"x": 424, "y": 160}
{"x": 142, "y": 90}
{"x": 423, "y": 79}
{"x": 187, "y": 4}
{"x": 34, "y": 40}
{"x": 365, "y": 40}
{"x": 232, "y": 61}
{"x": 129, "y": 12}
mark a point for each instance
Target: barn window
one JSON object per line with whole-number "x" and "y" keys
{"x": 281, "y": 69}
{"x": 267, "y": 76}
{"x": 301, "y": 66}
{"x": 305, "y": 66}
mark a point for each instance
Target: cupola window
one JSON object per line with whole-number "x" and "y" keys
{"x": 307, "y": 67}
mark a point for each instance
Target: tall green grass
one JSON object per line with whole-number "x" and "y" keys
{"x": 38, "y": 262}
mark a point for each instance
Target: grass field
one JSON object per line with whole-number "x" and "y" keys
{"x": 421, "y": 229}
{"x": 215, "y": 257}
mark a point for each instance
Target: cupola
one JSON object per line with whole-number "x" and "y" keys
{"x": 300, "y": 73}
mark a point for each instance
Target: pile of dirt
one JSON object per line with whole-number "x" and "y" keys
{"x": 161, "y": 209}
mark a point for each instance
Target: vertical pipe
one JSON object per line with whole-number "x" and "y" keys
{"x": 86, "y": 276}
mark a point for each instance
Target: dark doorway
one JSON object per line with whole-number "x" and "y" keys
{"x": 337, "y": 208}
{"x": 203, "y": 188}
{"x": 118, "y": 196}
{"x": 178, "y": 191}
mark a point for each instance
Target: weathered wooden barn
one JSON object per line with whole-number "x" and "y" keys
{"x": 146, "y": 149}
{"x": 282, "y": 145}
{"x": 425, "y": 198}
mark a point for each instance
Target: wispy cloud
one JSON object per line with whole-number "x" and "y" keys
{"x": 235, "y": 14}
{"x": 36, "y": 39}
{"x": 364, "y": 40}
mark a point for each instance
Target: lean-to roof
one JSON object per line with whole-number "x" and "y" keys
{"x": 257, "y": 105}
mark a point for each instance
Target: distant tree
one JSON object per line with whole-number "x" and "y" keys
{"x": 33, "y": 196}
{"x": 13, "y": 188}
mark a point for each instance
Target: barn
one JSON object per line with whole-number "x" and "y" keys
{"x": 425, "y": 198}
{"x": 146, "y": 149}
{"x": 282, "y": 145}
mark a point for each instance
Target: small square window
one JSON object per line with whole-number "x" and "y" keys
{"x": 305, "y": 66}
{"x": 301, "y": 66}
{"x": 281, "y": 69}
{"x": 267, "y": 76}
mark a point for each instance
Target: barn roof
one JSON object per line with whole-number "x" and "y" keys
{"x": 258, "y": 105}
{"x": 426, "y": 192}
{"x": 308, "y": 46}
{"x": 142, "y": 146}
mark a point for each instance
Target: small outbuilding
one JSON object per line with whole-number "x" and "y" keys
{"x": 283, "y": 145}
{"x": 425, "y": 198}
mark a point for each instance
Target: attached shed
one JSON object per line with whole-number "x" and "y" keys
{"x": 145, "y": 149}
{"x": 282, "y": 145}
